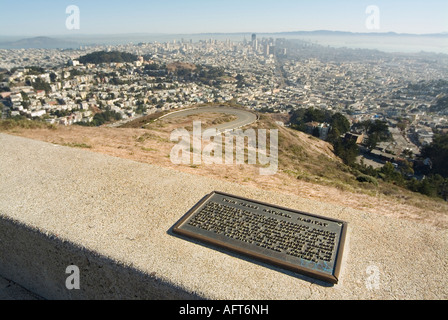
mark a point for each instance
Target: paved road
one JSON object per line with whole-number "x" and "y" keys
{"x": 402, "y": 143}
{"x": 243, "y": 117}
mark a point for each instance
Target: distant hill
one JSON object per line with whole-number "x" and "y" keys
{"x": 108, "y": 57}
{"x": 114, "y": 39}
{"x": 406, "y": 43}
{"x": 346, "y": 33}
{"x": 38, "y": 43}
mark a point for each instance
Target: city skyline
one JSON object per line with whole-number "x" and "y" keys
{"x": 47, "y": 18}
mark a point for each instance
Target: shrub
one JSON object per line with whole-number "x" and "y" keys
{"x": 365, "y": 178}
{"x": 23, "y": 123}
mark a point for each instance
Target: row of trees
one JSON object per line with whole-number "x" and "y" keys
{"x": 346, "y": 149}
{"x": 437, "y": 152}
{"x": 432, "y": 185}
{"x": 435, "y": 180}
{"x": 39, "y": 84}
{"x": 377, "y": 130}
{"x": 201, "y": 73}
{"x": 435, "y": 183}
{"x": 207, "y": 75}
{"x": 103, "y": 117}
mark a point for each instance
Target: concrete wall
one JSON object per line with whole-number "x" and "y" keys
{"x": 38, "y": 262}
{"x": 115, "y": 215}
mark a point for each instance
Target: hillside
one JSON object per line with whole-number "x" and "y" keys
{"x": 107, "y": 57}
{"x": 38, "y": 43}
{"x": 307, "y": 166}
{"x": 176, "y": 66}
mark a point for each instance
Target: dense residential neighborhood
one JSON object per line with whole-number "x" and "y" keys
{"x": 408, "y": 91}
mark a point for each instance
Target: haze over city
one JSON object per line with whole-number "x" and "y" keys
{"x": 45, "y": 18}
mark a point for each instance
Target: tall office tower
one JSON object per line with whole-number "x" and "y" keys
{"x": 254, "y": 42}
{"x": 266, "y": 49}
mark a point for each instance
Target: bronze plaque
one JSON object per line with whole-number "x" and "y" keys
{"x": 304, "y": 243}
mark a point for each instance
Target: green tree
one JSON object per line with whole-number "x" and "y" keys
{"x": 388, "y": 170}
{"x": 40, "y": 84}
{"x": 340, "y": 122}
{"x": 406, "y": 168}
{"x": 334, "y": 135}
{"x": 427, "y": 188}
{"x": 53, "y": 77}
{"x": 380, "y": 129}
{"x": 300, "y": 117}
{"x": 408, "y": 153}
{"x": 347, "y": 150}
{"x": 372, "y": 141}
{"x": 389, "y": 174}
{"x": 377, "y": 131}
{"x": 437, "y": 151}
{"x": 314, "y": 115}
{"x": 402, "y": 125}
{"x": 32, "y": 70}
{"x": 141, "y": 108}
{"x": 431, "y": 186}
{"x": 103, "y": 117}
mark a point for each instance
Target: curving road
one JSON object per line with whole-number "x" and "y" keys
{"x": 243, "y": 117}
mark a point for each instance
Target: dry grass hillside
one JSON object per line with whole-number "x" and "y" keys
{"x": 307, "y": 166}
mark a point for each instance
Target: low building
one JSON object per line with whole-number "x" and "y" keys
{"x": 37, "y": 114}
{"x": 383, "y": 156}
{"x": 357, "y": 138}
{"x": 73, "y": 63}
{"x": 40, "y": 93}
{"x": 320, "y": 130}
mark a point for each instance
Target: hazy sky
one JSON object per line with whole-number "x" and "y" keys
{"x": 48, "y": 17}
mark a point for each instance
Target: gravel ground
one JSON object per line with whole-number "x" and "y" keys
{"x": 124, "y": 210}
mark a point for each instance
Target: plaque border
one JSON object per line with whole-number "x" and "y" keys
{"x": 333, "y": 279}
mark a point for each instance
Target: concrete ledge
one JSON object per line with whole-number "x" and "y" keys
{"x": 11, "y": 291}
{"x": 39, "y": 262}
{"x": 112, "y": 218}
